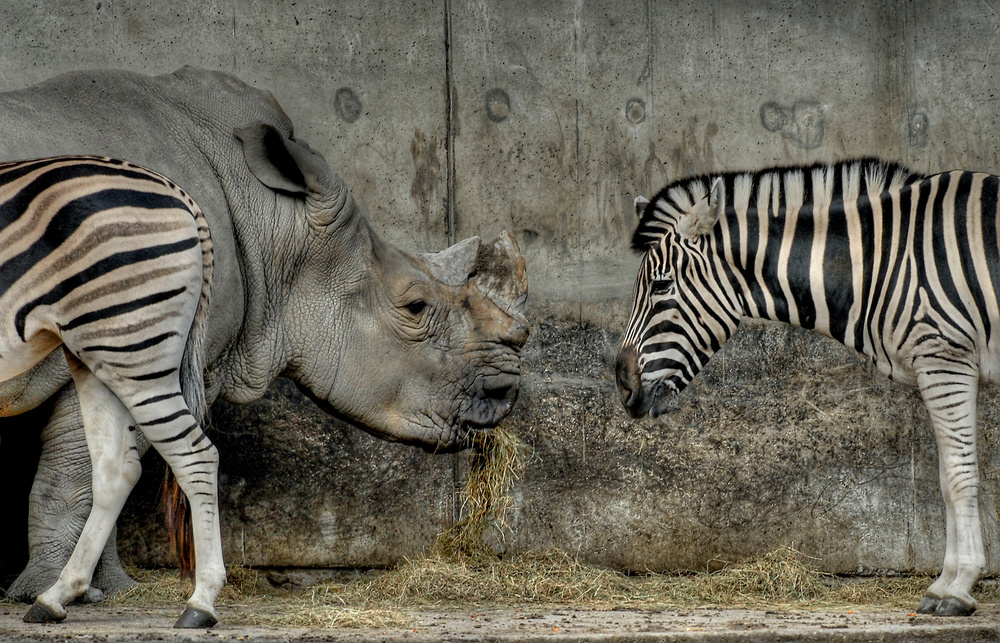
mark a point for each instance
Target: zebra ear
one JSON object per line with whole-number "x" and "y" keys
{"x": 640, "y": 204}
{"x": 702, "y": 216}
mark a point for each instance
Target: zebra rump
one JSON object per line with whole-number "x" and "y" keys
{"x": 26, "y": 184}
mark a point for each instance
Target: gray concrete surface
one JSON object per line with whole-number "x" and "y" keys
{"x": 454, "y": 117}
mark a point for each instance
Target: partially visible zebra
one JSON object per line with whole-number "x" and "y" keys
{"x": 903, "y": 268}
{"x": 113, "y": 262}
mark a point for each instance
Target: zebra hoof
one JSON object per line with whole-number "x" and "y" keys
{"x": 195, "y": 618}
{"x": 954, "y": 607}
{"x": 39, "y": 613}
{"x": 929, "y": 605}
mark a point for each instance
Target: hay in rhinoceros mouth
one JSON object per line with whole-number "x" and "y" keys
{"x": 496, "y": 462}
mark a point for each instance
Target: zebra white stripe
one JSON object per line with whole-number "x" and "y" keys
{"x": 113, "y": 262}
{"x": 902, "y": 268}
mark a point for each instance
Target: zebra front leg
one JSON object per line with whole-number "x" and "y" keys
{"x": 194, "y": 460}
{"x": 59, "y": 505}
{"x": 950, "y": 396}
{"x": 115, "y": 470}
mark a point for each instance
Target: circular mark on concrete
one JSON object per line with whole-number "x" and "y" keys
{"x": 802, "y": 123}
{"x": 808, "y": 125}
{"x": 347, "y": 104}
{"x": 497, "y": 105}
{"x": 635, "y": 110}
{"x": 917, "y": 129}
{"x": 773, "y": 116}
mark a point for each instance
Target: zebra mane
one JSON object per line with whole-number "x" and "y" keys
{"x": 771, "y": 188}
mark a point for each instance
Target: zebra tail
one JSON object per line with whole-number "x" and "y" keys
{"x": 177, "y": 515}
{"x": 176, "y": 511}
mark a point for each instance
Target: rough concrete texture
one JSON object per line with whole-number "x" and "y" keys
{"x": 455, "y": 117}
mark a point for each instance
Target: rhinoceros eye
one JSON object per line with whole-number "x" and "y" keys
{"x": 416, "y": 306}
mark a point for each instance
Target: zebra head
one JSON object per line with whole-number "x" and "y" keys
{"x": 684, "y": 308}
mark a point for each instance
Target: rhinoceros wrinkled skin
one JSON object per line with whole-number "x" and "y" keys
{"x": 423, "y": 350}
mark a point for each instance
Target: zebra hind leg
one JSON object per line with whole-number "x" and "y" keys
{"x": 116, "y": 468}
{"x": 172, "y": 430}
{"x": 949, "y": 393}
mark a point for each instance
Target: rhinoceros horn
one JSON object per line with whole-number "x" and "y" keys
{"x": 497, "y": 269}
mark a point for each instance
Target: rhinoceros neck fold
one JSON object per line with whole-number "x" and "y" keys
{"x": 268, "y": 236}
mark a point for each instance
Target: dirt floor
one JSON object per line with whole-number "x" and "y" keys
{"x": 558, "y": 624}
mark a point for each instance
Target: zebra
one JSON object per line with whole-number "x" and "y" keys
{"x": 113, "y": 262}
{"x": 902, "y": 267}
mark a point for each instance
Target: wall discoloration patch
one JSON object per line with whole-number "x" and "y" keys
{"x": 427, "y": 167}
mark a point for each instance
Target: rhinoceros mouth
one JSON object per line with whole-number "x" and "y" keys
{"x": 493, "y": 398}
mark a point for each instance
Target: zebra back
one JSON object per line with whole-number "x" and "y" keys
{"x": 774, "y": 188}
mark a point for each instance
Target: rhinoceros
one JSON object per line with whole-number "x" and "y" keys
{"x": 423, "y": 350}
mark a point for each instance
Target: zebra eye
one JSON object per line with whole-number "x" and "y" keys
{"x": 662, "y": 286}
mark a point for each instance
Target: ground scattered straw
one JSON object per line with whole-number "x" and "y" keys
{"x": 463, "y": 571}
{"x": 782, "y": 580}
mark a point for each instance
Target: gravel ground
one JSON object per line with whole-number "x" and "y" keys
{"x": 557, "y": 624}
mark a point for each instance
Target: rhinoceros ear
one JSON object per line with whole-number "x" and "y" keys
{"x": 281, "y": 163}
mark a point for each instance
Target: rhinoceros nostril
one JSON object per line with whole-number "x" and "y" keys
{"x": 502, "y": 393}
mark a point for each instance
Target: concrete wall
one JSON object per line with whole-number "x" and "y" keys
{"x": 453, "y": 118}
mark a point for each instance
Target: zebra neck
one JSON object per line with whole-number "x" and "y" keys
{"x": 807, "y": 267}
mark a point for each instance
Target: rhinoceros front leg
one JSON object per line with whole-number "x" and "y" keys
{"x": 58, "y": 507}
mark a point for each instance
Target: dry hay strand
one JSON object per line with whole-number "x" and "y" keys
{"x": 552, "y": 577}
{"x": 165, "y": 586}
{"x": 256, "y": 602}
{"x": 497, "y": 461}
{"x": 782, "y": 576}
{"x": 886, "y": 592}
{"x": 315, "y": 613}
{"x": 782, "y": 580}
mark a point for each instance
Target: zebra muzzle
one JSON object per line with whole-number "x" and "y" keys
{"x": 629, "y": 382}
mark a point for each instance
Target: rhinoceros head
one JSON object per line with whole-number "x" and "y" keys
{"x": 423, "y": 350}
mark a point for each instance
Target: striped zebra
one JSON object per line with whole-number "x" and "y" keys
{"x": 113, "y": 262}
{"x": 903, "y": 268}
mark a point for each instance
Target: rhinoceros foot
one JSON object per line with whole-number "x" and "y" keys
{"x": 35, "y": 579}
{"x": 43, "y": 571}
